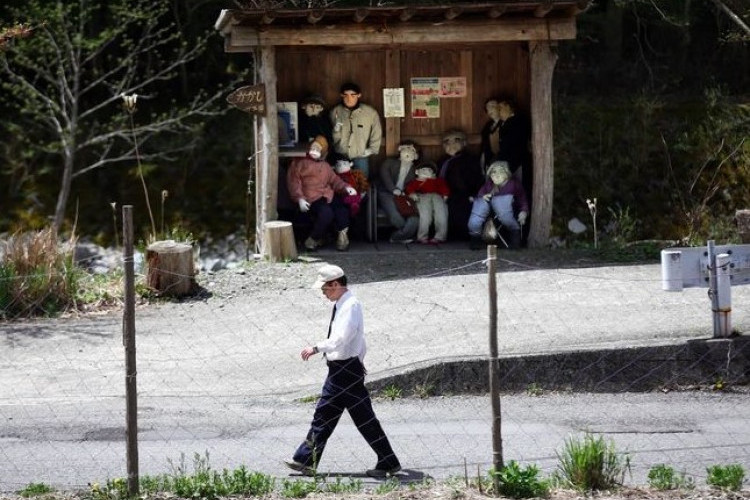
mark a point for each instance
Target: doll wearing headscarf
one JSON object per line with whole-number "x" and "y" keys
{"x": 501, "y": 196}
{"x": 357, "y": 180}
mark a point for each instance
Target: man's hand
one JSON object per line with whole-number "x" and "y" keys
{"x": 351, "y": 191}
{"x": 308, "y": 352}
{"x": 522, "y": 218}
{"x": 397, "y": 192}
{"x": 414, "y": 196}
{"x": 304, "y": 205}
{"x": 487, "y": 197}
{"x": 369, "y": 152}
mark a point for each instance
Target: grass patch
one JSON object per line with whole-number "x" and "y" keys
{"x": 726, "y": 477}
{"x": 37, "y": 275}
{"x": 591, "y": 464}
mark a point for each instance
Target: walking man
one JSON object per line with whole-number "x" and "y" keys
{"x": 344, "y": 387}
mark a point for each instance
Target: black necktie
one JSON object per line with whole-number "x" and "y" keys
{"x": 333, "y": 315}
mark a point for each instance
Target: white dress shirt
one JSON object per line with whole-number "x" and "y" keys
{"x": 347, "y": 338}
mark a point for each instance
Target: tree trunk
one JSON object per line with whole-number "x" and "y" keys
{"x": 743, "y": 225}
{"x": 170, "y": 268}
{"x": 543, "y": 60}
{"x": 278, "y": 241}
{"x": 62, "y": 197}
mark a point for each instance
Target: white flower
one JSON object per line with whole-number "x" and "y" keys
{"x": 128, "y": 102}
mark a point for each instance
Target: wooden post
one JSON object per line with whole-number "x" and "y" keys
{"x": 542, "y": 60}
{"x": 128, "y": 341}
{"x": 278, "y": 242}
{"x": 392, "y": 80}
{"x": 497, "y": 438}
{"x": 267, "y": 147}
{"x": 170, "y": 268}
{"x": 743, "y": 225}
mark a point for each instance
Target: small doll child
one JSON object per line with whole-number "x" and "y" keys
{"x": 356, "y": 179}
{"x": 430, "y": 193}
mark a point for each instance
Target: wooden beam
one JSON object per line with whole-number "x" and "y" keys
{"x": 360, "y": 15}
{"x": 242, "y": 38}
{"x": 542, "y": 61}
{"x": 314, "y": 16}
{"x": 496, "y": 12}
{"x": 407, "y": 14}
{"x": 453, "y": 13}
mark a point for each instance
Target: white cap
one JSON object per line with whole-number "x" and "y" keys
{"x": 327, "y": 273}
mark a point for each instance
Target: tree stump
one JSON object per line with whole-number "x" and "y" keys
{"x": 170, "y": 268}
{"x": 278, "y": 241}
{"x": 743, "y": 225}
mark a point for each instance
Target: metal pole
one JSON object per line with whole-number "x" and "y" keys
{"x": 128, "y": 340}
{"x": 712, "y": 291}
{"x": 723, "y": 295}
{"x": 497, "y": 439}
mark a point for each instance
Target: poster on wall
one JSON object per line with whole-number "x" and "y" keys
{"x": 425, "y": 102}
{"x": 288, "y": 124}
{"x": 393, "y": 103}
{"x": 452, "y": 86}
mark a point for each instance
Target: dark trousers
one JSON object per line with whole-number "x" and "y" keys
{"x": 344, "y": 389}
{"x": 324, "y": 213}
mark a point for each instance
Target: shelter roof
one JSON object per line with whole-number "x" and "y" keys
{"x": 415, "y": 23}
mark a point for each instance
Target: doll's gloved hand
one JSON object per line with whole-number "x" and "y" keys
{"x": 471, "y": 199}
{"x": 487, "y": 197}
{"x": 397, "y": 192}
{"x": 304, "y": 205}
{"x": 414, "y": 196}
{"x": 351, "y": 191}
{"x": 522, "y": 218}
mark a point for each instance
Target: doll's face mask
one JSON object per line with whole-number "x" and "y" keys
{"x": 453, "y": 144}
{"x": 315, "y": 151}
{"x": 312, "y": 109}
{"x": 407, "y": 152}
{"x": 343, "y": 166}
{"x": 499, "y": 177}
{"x": 425, "y": 173}
{"x": 493, "y": 110}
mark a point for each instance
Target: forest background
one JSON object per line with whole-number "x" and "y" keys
{"x": 651, "y": 118}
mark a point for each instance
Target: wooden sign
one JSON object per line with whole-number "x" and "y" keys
{"x": 251, "y": 99}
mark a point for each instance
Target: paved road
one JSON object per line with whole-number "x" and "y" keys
{"x": 223, "y": 375}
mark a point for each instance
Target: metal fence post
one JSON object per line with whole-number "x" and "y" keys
{"x": 128, "y": 340}
{"x": 497, "y": 439}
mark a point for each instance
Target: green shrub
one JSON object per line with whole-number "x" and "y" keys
{"x": 663, "y": 477}
{"x": 726, "y": 477}
{"x": 517, "y": 482}
{"x": 35, "y": 489}
{"x": 297, "y": 488}
{"x": 592, "y": 464}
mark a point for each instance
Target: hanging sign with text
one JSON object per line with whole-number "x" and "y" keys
{"x": 251, "y": 99}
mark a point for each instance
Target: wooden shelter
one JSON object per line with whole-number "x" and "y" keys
{"x": 497, "y": 48}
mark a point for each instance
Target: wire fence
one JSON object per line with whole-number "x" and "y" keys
{"x": 598, "y": 349}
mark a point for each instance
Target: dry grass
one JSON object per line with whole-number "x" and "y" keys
{"x": 37, "y": 276}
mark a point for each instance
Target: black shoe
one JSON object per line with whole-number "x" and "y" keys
{"x": 306, "y": 470}
{"x": 384, "y": 472}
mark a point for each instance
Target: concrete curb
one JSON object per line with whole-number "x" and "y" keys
{"x": 692, "y": 363}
